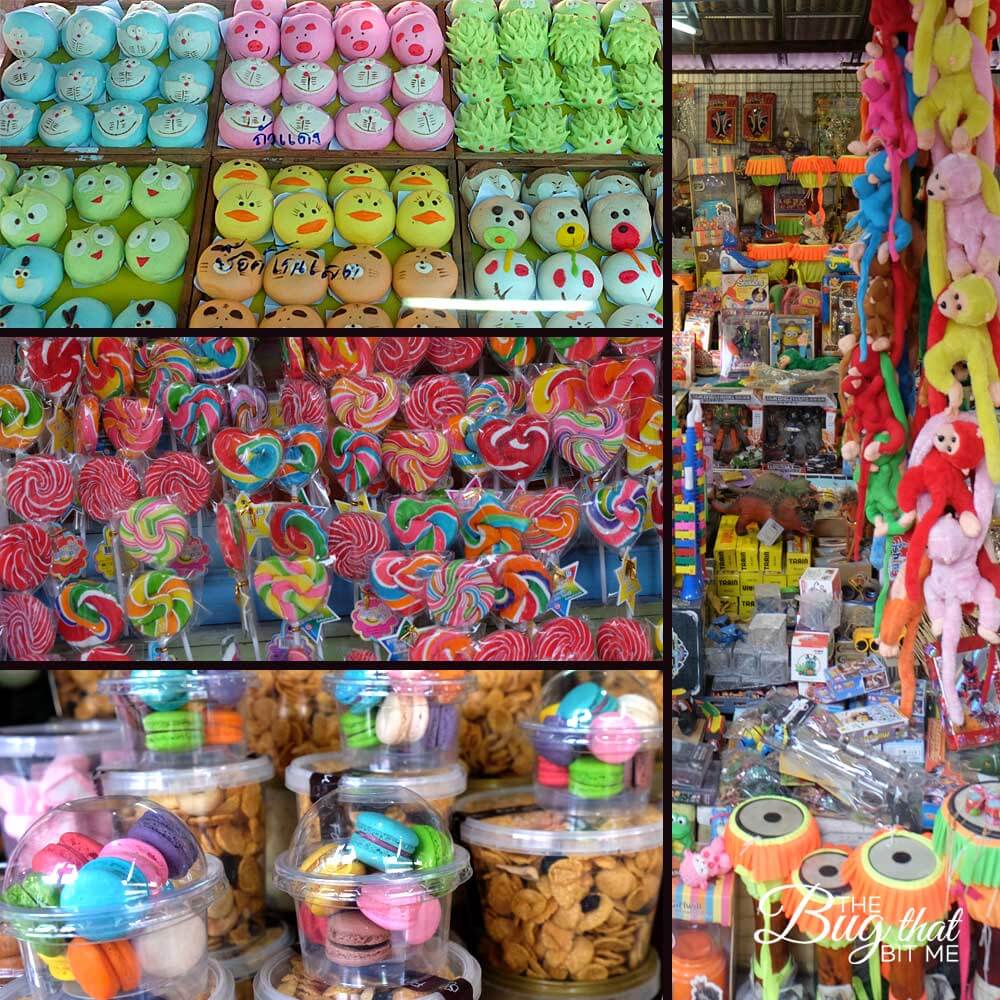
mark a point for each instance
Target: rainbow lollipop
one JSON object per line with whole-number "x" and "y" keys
{"x": 159, "y": 604}
{"x": 89, "y": 614}
{"x": 302, "y": 456}
{"x": 526, "y": 588}
{"x": 554, "y": 516}
{"x": 22, "y": 417}
{"x": 154, "y": 531}
{"x": 427, "y": 525}
{"x": 218, "y": 359}
{"x": 489, "y": 528}
{"x": 293, "y": 589}
{"x": 617, "y": 513}
{"x": 107, "y": 367}
{"x": 193, "y": 412}
{"x": 247, "y": 461}
{"x": 133, "y": 425}
{"x": 461, "y": 593}
{"x": 296, "y": 530}
{"x": 355, "y": 459}
{"x": 589, "y": 441}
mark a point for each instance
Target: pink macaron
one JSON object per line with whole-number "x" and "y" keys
{"x": 312, "y": 927}
{"x": 65, "y": 857}
{"x": 614, "y": 738}
{"x": 551, "y": 775}
{"x": 141, "y": 855}
{"x": 401, "y": 909}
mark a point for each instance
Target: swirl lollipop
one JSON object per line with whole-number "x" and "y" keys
{"x": 496, "y": 396}
{"x": 86, "y": 424}
{"x": 633, "y": 346}
{"x": 154, "y": 531}
{"x": 27, "y": 627}
{"x": 355, "y": 540}
{"x": 365, "y": 402}
{"x": 107, "y": 367}
{"x": 159, "y": 365}
{"x": 248, "y": 406}
{"x": 516, "y": 448}
{"x": 461, "y": 593}
{"x": 293, "y": 589}
{"x": 615, "y": 383}
{"x": 558, "y": 389}
{"x": 572, "y": 349}
{"x": 400, "y": 580}
{"x": 427, "y": 525}
{"x": 617, "y": 512}
{"x": 514, "y": 351}
{"x": 589, "y": 441}
{"x": 159, "y": 604}
{"x": 302, "y": 402}
{"x": 146, "y": 357}
{"x": 302, "y": 456}
{"x": 432, "y": 401}
{"x": 89, "y": 615}
{"x": 293, "y": 357}
{"x": 181, "y": 478}
{"x": 508, "y": 646}
{"x": 355, "y": 459}
{"x": 133, "y": 425}
{"x": 107, "y": 487}
{"x": 54, "y": 364}
{"x": 296, "y": 530}
{"x": 194, "y": 412}
{"x": 489, "y": 528}
{"x": 441, "y": 645}
{"x": 40, "y": 488}
{"x": 526, "y": 588}
{"x": 218, "y": 360}
{"x": 400, "y": 356}
{"x": 563, "y": 640}
{"x": 335, "y": 356}
{"x": 247, "y": 461}
{"x": 22, "y": 417}
{"x": 454, "y": 354}
{"x": 555, "y": 518}
{"x": 416, "y": 460}
{"x": 69, "y": 555}
{"x": 25, "y": 556}
{"x": 644, "y": 439}
{"x": 460, "y": 433}
{"x": 231, "y": 537}
{"x": 624, "y": 640}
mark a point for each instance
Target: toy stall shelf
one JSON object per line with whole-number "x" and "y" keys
{"x": 734, "y": 425}
{"x": 800, "y": 434}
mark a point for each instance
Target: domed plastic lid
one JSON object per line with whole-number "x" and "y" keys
{"x": 366, "y": 688}
{"x": 177, "y": 781}
{"x": 105, "y": 868}
{"x": 363, "y": 837}
{"x": 62, "y": 737}
{"x": 444, "y": 783}
{"x": 161, "y": 689}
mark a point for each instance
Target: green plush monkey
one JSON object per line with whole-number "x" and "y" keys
{"x": 791, "y": 359}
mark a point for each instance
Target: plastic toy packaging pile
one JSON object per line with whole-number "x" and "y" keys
{"x": 392, "y": 484}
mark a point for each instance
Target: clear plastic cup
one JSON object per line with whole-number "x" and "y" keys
{"x": 491, "y": 742}
{"x": 646, "y": 983}
{"x": 283, "y": 978}
{"x": 223, "y": 807}
{"x": 560, "y": 904}
{"x": 43, "y": 766}
{"x": 372, "y": 871}
{"x": 11, "y": 966}
{"x": 181, "y": 718}
{"x": 595, "y": 733}
{"x": 243, "y": 964}
{"x": 399, "y": 721}
{"x": 312, "y": 777}
{"x": 114, "y": 883}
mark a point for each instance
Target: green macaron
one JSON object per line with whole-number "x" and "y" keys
{"x": 174, "y": 732}
{"x": 33, "y": 893}
{"x": 590, "y": 778}
{"x": 358, "y": 731}
{"x": 433, "y": 848}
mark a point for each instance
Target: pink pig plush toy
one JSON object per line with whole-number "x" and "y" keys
{"x": 711, "y": 861}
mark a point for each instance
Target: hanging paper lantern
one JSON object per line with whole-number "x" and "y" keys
{"x": 776, "y": 253}
{"x": 766, "y": 172}
{"x": 849, "y": 167}
{"x": 809, "y": 260}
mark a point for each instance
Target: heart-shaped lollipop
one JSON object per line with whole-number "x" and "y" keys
{"x": 303, "y": 454}
{"x": 355, "y": 459}
{"x": 133, "y": 425}
{"x": 516, "y": 448}
{"x": 617, "y": 513}
{"x": 400, "y": 580}
{"x": 461, "y": 435}
{"x": 248, "y": 461}
{"x": 194, "y": 412}
{"x": 365, "y": 402}
{"x": 416, "y": 460}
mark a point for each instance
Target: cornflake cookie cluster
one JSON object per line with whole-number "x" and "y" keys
{"x": 491, "y": 742}
{"x": 78, "y": 697}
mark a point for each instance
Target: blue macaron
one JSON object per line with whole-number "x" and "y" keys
{"x": 579, "y": 707}
{"x": 382, "y": 843}
{"x": 161, "y": 690}
{"x": 360, "y": 690}
{"x": 100, "y": 892}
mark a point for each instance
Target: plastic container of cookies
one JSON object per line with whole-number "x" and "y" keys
{"x": 645, "y": 983}
{"x": 75, "y": 694}
{"x": 316, "y": 775}
{"x": 181, "y": 718}
{"x": 492, "y": 744}
{"x": 595, "y": 734}
{"x": 284, "y": 978}
{"x": 607, "y": 875}
{"x": 223, "y": 807}
{"x": 11, "y": 966}
{"x": 243, "y": 964}
{"x": 371, "y": 870}
{"x": 42, "y": 766}
{"x": 399, "y": 721}
{"x": 115, "y": 883}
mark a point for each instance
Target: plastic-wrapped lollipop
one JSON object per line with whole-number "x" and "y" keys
{"x": 507, "y": 646}
{"x": 372, "y": 619}
{"x": 461, "y": 593}
{"x": 303, "y": 455}
{"x": 555, "y": 518}
{"x": 624, "y": 640}
{"x": 248, "y": 407}
{"x": 293, "y": 589}
{"x": 496, "y": 396}
{"x": 147, "y": 357}
{"x": 557, "y": 389}
{"x": 218, "y": 360}
{"x": 248, "y": 461}
{"x": 233, "y": 546}
{"x": 40, "y": 488}
{"x": 293, "y": 357}
{"x": 426, "y": 524}
{"x": 27, "y": 627}
{"x": 627, "y": 383}
{"x": 355, "y": 540}
{"x": 365, "y": 402}
{"x": 194, "y": 412}
{"x": 193, "y": 560}
{"x": 563, "y": 640}
{"x": 297, "y": 530}
{"x": 355, "y": 459}
{"x": 616, "y": 513}
{"x": 159, "y": 604}
{"x": 454, "y": 354}
{"x": 644, "y": 438}
{"x": 434, "y": 400}
{"x": 490, "y": 527}
{"x": 637, "y": 345}
{"x": 25, "y": 556}
{"x": 441, "y": 645}
{"x": 133, "y": 425}
{"x": 181, "y": 478}
{"x": 416, "y": 460}
{"x": 333, "y": 356}
{"x": 655, "y": 494}
{"x": 302, "y": 401}
{"x": 460, "y": 433}
{"x": 159, "y": 365}
{"x": 111, "y": 654}
{"x": 526, "y": 587}
{"x": 107, "y": 486}
{"x": 154, "y": 531}
{"x": 573, "y": 349}
{"x": 86, "y": 424}
{"x": 53, "y": 364}
{"x": 400, "y": 356}
{"x": 589, "y": 442}
{"x": 516, "y": 448}
{"x": 107, "y": 367}
{"x": 22, "y": 417}
{"x": 89, "y": 614}
{"x": 514, "y": 352}
{"x": 400, "y": 580}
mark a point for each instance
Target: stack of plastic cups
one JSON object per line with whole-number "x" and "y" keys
{"x": 187, "y": 733}
{"x": 41, "y": 767}
{"x": 569, "y": 870}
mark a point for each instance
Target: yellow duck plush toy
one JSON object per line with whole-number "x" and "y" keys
{"x": 968, "y": 305}
{"x": 954, "y": 105}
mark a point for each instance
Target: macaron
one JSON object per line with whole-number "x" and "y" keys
{"x": 104, "y": 969}
{"x": 594, "y": 779}
{"x": 640, "y": 709}
{"x": 174, "y": 732}
{"x": 402, "y": 718}
{"x": 333, "y": 860}
{"x": 550, "y": 775}
{"x": 223, "y": 727}
{"x": 360, "y": 689}
{"x": 170, "y": 837}
{"x": 144, "y": 856}
{"x": 354, "y": 941}
{"x": 555, "y": 741}
{"x": 171, "y": 952}
{"x": 580, "y": 706}
{"x": 383, "y": 844}
{"x": 434, "y": 849}
{"x": 614, "y": 738}
{"x": 101, "y": 892}
{"x": 442, "y": 727}
{"x": 66, "y": 857}
{"x": 416, "y": 915}
{"x": 224, "y": 687}
{"x": 161, "y": 690}
{"x": 358, "y": 731}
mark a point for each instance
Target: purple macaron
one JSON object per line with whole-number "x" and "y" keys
{"x": 170, "y": 837}
{"x": 555, "y": 742}
{"x": 224, "y": 687}
{"x": 442, "y": 727}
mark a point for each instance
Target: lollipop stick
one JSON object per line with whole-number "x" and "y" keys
{"x": 119, "y": 574}
{"x": 201, "y": 525}
{"x": 555, "y": 469}
{"x": 604, "y": 573}
{"x": 187, "y": 647}
{"x": 4, "y": 520}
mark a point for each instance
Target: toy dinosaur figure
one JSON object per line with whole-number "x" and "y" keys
{"x": 792, "y": 504}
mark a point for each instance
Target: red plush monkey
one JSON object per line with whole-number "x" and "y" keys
{"x": 957, "y": 450}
